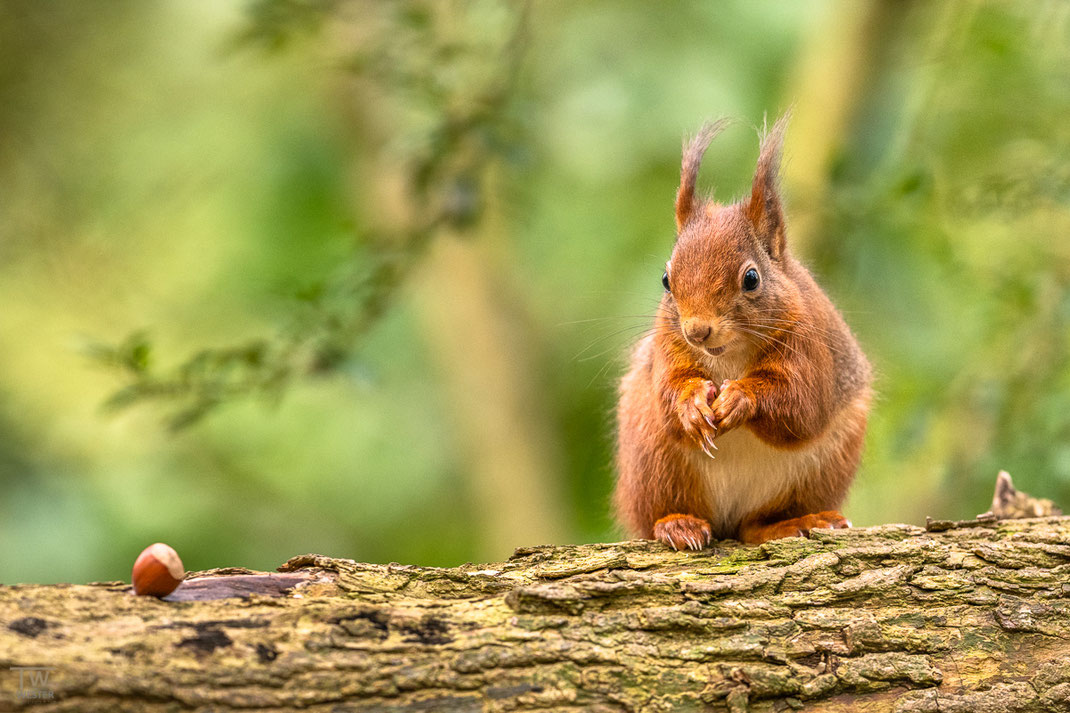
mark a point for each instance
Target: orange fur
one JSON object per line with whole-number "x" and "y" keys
{"x": 771, "y": 377}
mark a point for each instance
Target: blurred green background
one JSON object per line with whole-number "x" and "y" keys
{"x": 359, "y": 277}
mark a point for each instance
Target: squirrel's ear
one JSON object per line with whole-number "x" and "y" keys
{"x": 693, "y": 151}
{"x": 763, "y": 208}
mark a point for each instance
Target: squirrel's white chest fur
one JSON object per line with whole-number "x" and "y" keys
{"x": 747, "y": 475}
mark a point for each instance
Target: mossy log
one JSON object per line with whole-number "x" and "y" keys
{"x": 968, "y": 616}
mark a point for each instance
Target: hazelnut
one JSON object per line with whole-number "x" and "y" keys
{"x": 157, "y": 571}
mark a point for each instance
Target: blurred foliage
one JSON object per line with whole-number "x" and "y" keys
{"x": 462, "y": 86}
{"x": 255, "y": 185}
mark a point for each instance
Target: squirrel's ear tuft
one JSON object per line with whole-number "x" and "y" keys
{"x": 693, "y": 152}
{"x": 763, "y": 208}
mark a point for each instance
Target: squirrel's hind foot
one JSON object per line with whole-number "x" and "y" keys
{"x": 755, "y": 534}
{"x": 683, "y": 532}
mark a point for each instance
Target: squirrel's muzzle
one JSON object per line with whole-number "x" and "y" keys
{"x": 697, "y": 331}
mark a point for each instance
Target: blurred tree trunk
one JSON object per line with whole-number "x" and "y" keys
{"x": 481, "y": 341}
{"x": 837, "y": 71}
{"x": 963, "y": 617}
{"x": 470, "y": 314}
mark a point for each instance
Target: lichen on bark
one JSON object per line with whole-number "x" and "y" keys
{"x": 960, "y": 617}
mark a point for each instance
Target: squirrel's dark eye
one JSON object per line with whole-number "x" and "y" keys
{"x": 750, "y": 280}
{"x": 665, "y": 282}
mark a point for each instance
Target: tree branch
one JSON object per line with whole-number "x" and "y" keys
{"x": 970, "y": 616}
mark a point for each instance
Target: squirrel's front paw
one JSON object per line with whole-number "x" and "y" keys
{"x": 696, "y": 415}
{"x": 733, "y": 407}
{"x": 683, "y": 532}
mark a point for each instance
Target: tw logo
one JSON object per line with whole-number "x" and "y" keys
{"x": 33, "y": 682}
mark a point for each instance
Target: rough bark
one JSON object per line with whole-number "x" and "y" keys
{"x": 954, "y": 617}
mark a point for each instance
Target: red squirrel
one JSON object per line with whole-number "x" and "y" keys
{"x": 743, "y": 414}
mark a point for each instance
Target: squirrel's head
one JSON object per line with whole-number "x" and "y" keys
{"x": 726, "y": 276}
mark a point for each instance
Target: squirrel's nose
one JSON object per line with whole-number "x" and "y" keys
{"x": 697, "y": 331}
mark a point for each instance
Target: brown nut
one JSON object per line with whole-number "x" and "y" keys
{"x": 157, "y": 571}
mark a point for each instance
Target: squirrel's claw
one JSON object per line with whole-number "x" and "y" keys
{"x": 706, "y": 443}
